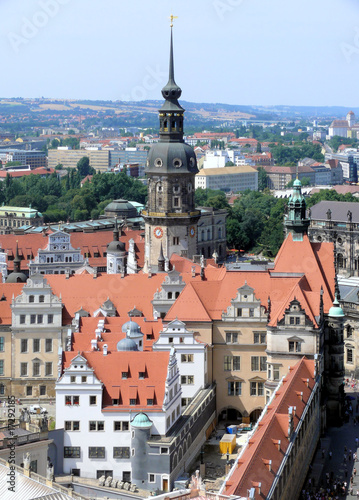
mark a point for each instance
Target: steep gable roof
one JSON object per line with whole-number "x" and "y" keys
{"x": 108, "y": 369}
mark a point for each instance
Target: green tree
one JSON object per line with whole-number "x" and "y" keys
{"x": 262, "y": 179}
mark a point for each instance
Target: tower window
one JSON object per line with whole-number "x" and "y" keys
{"x": 176, "y": 202}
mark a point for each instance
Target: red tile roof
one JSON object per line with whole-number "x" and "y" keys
{"x": 109, "y": 370}
{"x": 263, "y": 445}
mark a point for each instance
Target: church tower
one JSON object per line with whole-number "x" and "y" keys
{"x": 170, "y": 216}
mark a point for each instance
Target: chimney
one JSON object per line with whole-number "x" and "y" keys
{"x": 105, "y": 349}
{"x": 193, "y": 271}
{"x": 94, "y": 344}
{"x": 268, "y": 463}
{"x": 300, "y": 395}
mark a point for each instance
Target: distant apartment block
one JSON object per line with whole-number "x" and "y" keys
{"x": 228, "y": 178}
{"x": 33, "y": 158}
{"x": 99, "y": 158}
{"x": 128, "y": 156}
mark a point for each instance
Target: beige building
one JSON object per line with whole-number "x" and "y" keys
{"x": 68, "y": 158}
{"x": 35, "y": 340}
{"x": 233, "y": 179}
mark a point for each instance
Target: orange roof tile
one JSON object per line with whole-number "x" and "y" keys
{"x": 109, "y": 370}
{"x": 263, "y": 445}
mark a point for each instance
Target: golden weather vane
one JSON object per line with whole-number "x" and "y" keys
{"x": 172, "y": 17}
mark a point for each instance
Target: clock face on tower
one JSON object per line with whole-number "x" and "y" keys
{"x": 192, "y": 231}
{"x": 158, "y": 232}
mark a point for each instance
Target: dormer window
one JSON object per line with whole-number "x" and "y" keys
{"x": 141, "y": 375}
{"x": 295, "y": 346}
{"x": 124, "y": 375}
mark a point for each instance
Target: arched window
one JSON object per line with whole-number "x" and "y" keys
{"x": 31, "y": 298}
{"x": 177, "y": 295}
{"x": 169, "y": 295}
{"x": 42, "y": 298}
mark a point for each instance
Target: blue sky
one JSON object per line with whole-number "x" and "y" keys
{"x": 255, "y": 52}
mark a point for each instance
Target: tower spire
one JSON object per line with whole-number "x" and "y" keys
{"x": 171, "y": 112}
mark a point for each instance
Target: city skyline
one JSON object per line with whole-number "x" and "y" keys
{"x": 232, "y": 51}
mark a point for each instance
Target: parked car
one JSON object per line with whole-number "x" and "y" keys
{"x": 37, "y": 409}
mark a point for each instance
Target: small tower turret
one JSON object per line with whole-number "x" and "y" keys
{"x": 297, "y": 222}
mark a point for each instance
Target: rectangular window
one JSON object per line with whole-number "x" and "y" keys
{"x": 29, "y": 390}
{"x": 187, "y": 358}
{"x": 96, "y": 425}
{"x": 36, "y": 369}
{"x": 255, "y": 363}
{"x": 33, "y": 319}
{"x": 295, "y": 346}
{"x": 93, "y": 400}
{"x": 231, "y": 337}
{"x": 251, "y": 312}
{"x": 48, "y": 369}
{"x": 72, "y": 425}
{"x": 349, "y": 355}
{"x": 133, "y": 402}
{"x": 23, "y": 345}
{"x": 236, "y": 363}
{"x": 23, "y": 369}
{"x": 257, "y": 388}
{"x": 22, "y": 319}
{"x": 176, "y": 202}
{"x": 239, "y": 312}
{"x": 50, "y": 318}
{"x": 185, "y": 402}
{"x": 275, "y": 372}
{"x": 263, "y": 363}
{"x": 227, "y": 365}
{"x": 42, "y": 390}
{"x": 149, "y": 402}
{"x": 141, "y": 375}
{"x": 48, "y": 345}
{"x": 234, "y": 388}
{"x": 151, "y": 478}
{"x": 176, "y": 240}
{"x": 72, "y": 452}
{"x": 121, "y": 425}
{"x": 72, "y": 400}
{"x": 291, "y": 320}
{"x": 2, "y": 343}
{"x": 36, "y": 345}
{"x": 1, "y": 367}
{"x": 259, "y": 338}
{"x": 83, "y": 379}
{"x": 39, "y": 318}
{"x": 124, "y": 375}
{"x": 121, "y": 452}
{"x": 96, "y": 452}
{"x": 187, "y": 379}
{"x": 297, "y": 321}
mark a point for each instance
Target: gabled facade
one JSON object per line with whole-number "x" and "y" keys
{"x": 58, "y": 257}
{"x": 36, "y": 338}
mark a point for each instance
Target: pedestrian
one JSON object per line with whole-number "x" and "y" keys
{"x": 330, "y": 455}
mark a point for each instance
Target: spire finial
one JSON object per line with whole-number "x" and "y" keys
{"x": 172, "y": 17}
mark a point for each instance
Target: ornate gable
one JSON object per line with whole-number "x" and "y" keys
{"x": 245, "y": 306}
{"x": 295, "y": 315}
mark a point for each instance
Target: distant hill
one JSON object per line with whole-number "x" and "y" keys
{"x": 145, "y": 112}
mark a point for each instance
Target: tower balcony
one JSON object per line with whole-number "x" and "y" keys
{"x": 146, "y": 213}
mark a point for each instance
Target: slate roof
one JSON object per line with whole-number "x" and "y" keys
{"x": 339, "y": 210}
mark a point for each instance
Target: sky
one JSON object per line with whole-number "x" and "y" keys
{"x": 249, "y": 52}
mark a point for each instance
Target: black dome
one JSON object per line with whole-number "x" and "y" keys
{"x": 171, "y": 157}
